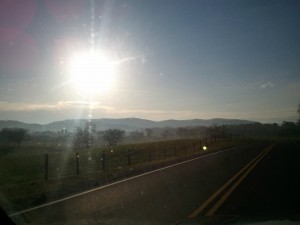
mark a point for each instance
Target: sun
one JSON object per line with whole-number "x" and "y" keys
{"x": 92, "y": 71}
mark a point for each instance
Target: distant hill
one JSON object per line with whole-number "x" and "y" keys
{"x": 127, "y": 124}
{"x": 13, "y": 124}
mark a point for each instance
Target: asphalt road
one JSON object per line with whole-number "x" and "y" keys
{"x": 170, "y": 195}
{"x": 273, "y": 187}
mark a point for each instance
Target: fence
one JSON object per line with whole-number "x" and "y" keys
{"x": 68, "y": 163}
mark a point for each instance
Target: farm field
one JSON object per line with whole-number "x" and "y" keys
{"x": 30, "y": 176}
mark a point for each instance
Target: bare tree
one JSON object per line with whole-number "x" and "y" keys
{"x": 85, "y": 137}
{"x": 166, "y": 132}
{"x": 136, "y": 135}
{"x": 288, "y": 128}
{"x": 190, "y": 132}
{"x": 113, "y": 136}
{"x": 17, "y": 135}
{"x": 184, "y": 132}
{"x": 149, "y": 132}
{"x": 216, "y": 131}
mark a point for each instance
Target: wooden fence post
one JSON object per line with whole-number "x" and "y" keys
{"x": 150, "y": 155}
{"x": 129, "y": 157}
{"x": 46, "y": 167}
{"x": 103, "y": 160}
{"x": 77, "y": 163}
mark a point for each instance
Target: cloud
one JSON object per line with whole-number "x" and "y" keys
{"x": 96, "y": 109}
{"x": 15, "y": 106}
{"x": 85, "y": 105}
{"x": 267, "y": 85}
{"x": 153, "y": 114}
{"x": 22, "y": 106}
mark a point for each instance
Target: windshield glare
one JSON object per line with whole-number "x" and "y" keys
{"x": 149, "y": 112}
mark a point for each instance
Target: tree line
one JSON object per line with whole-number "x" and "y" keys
{"x": 88, "y": 136}
{"x": 85, "y": 137}
{"x": 16, "y": 135}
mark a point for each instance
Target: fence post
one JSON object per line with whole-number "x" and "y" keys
{"x": 206, "y": 141}
{"x": 149, "y": 155}
{"x": 77, "y": 163}
{"x": 103, "y": 160}
{"x": 129, "y": 157}
{"x": 46, "y": 166}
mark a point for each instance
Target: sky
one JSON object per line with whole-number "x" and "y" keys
{"x": 176, "y": 59}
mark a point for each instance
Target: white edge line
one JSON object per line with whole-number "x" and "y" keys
{"x": 117, "y": 182}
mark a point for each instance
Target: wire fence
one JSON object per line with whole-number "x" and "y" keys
{"x": 53, "y": 165}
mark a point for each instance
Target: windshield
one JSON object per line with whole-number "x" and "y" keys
{"x": 149, "y": 112}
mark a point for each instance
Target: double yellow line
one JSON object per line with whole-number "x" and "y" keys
{"x": 213, "y": 203}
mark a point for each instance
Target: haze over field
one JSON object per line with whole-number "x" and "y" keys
{"x": 159, "y": 60}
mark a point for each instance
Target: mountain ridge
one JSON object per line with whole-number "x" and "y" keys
{"x": 128, "y": 124}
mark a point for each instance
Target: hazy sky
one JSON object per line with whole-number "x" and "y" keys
{"x": 179, "y": 59}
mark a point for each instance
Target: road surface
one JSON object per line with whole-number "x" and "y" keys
{"x": 176, "y": 193}
{"x": 274, "y": 186}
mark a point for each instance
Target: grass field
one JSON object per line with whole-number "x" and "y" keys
{"x": 23, "y": 171}
{"x": 29, "y": 164}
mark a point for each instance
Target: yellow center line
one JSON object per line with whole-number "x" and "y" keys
{"x": 220, "y": 190}
{"x": 235, "y": 185}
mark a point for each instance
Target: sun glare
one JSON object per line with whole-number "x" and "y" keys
{"x": 92, "y": 71}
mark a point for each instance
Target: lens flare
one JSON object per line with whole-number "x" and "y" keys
{"x": 92, "y": 71}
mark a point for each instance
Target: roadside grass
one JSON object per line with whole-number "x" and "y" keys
{"x": 280, "y": 139}
{"x": 22, "y": 182}
{"x": 27, "y": 164}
